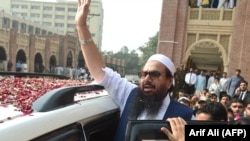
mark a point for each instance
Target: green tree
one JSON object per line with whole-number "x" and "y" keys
{"x": 131, "y": 58}
{"x": 134, "y": 62}
{"x": 148, "y": 49}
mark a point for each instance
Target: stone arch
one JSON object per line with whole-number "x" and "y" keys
{"x": 38, "y": 63}
{"x": 52, "y": 63}
{"x": 69, "y": 61}
{"x": 21, "y": 56}
{"x": 3, "y": 56}
{"x": 80, "y": 61}
{"x": 215, "y": 44}
{"x": 3, "y": 59}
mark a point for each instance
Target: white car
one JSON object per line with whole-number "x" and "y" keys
{"x": 76, "y": 113}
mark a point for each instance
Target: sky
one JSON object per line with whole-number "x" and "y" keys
{"x": 129, "y": 23}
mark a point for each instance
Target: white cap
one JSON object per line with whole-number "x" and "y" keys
{"x": 165, "y": 61}
{"x": 183, "y": 97}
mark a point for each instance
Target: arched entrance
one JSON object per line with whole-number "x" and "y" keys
{"x": 69, "y": 59}
{"x": 52, "y": 61}
{"x": 21, "y": 62}
{"x": 206, "y": 54}
{"x": 21, "y": 56}
{"x": 39, "y": 67}
{"x": 3, "y": 59}
{"x": 52, "y": 64}
{"x": 2, "y": 54}
{"x": 81, "y": 61}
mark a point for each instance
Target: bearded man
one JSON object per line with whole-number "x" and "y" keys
{"x": 151, "y": 100}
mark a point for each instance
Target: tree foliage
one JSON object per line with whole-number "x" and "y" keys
{"x": 134, "y": 62}
{"x": 131, "y": 58}
{"x": 148, "y": 49}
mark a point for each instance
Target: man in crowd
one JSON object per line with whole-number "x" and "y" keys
{"x": 234, "y": 82}
{"x": 223, "y": 81}
{"x": 200, "y": 83}
{"x": 242, "y": 92}
{"x": 237, "y": 106}
{"x": 190, "y": 81}
{"x": 18, "y": 66}
{"x": 212, "y": 111}
{"x": 179, "y": 79}
{"x": 247, "y": 108}
{"x": 9, "y": 65}
{"x": 225, "y": 99}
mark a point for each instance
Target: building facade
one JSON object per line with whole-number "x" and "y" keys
{"x": 57, "y": 16}
{"x": 206, "y": 38}
{"x": 41, "y": 47}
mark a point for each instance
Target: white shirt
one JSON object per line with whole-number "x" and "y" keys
{"x": 82, "y": 70}
{"x": 119, "y": 89}
{"x": 223, "y": 81}
{"x": 191, "y": 78}
{"x": 199, "y": 3}
{"x": 242, "y": 95}
{"x": 229, "y": 4}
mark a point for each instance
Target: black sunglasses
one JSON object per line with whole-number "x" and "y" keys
{"x": 152, "y": 74}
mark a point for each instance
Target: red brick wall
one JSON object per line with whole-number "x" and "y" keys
{"x": 172, "y": 28}
{"x": 240, "y": 49}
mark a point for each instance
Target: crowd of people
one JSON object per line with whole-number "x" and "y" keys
{"x": 212, "y": 3}
{"x": 214, "y": 94}
{"x": 195, "y": 87}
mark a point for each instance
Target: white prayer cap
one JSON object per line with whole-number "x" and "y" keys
{"x": 165, "y": 61}
{"x": 183, "y": 98}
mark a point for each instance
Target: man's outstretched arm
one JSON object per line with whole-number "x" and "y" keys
{"x": 90, "y": 52}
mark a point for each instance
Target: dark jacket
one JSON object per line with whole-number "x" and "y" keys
{"x": 175, "y": 109}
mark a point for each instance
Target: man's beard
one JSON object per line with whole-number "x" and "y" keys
{"x": 150, "y": 103}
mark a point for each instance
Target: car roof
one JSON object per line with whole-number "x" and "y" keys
{"x": 10, "y": 112}
{"x": 89, "y": 102}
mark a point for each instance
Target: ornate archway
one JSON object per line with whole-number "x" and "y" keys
{"x": 3, "y": 56}
{"x": 207, "y": 54}
{"x": 81, "y": 61}
{"x": 39, "y": 67}
{"x": 21, "y": 56}
{"x": 69, "y": 60}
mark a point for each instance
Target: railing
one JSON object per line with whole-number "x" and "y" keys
{"x": 221, "y": 14}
